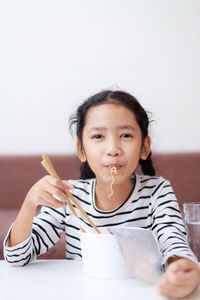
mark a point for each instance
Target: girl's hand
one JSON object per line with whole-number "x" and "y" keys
{"x": 42, "y": 192}
{"x": 181, "y": 278}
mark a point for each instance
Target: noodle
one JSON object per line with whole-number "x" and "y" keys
{"x": 113, "y": 170}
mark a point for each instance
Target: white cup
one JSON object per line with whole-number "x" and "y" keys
{"x": 102, "y": 257}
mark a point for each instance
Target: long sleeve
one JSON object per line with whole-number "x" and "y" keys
{"x": 46, "y": 230}
{"x": 168, "y": 224}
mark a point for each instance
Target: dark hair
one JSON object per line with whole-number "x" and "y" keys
{"x": 117, "y": 97}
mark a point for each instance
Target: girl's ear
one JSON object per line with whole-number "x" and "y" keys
{"x": 80, "y": 151}
{"x": 146, "y": 148}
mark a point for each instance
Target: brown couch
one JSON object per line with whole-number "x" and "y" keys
{"x": 19, "y": 173}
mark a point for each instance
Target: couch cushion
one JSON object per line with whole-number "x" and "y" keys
{"x": 7, "y": 217}
{"x": 182, "y": 170}
{"x": 19, "y": 173}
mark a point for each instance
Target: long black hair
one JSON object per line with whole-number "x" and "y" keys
{"x": 117, "y": 97}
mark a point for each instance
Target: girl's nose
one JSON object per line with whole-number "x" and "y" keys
{"x": 113, "y": 149}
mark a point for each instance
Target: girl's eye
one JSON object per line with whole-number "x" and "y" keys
{"x": 126, "y": 135}
{"x": 97, "y": 137}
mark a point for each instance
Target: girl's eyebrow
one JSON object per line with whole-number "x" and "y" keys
{"x": 129, "y": 127}
{"x": 97, "y": 129}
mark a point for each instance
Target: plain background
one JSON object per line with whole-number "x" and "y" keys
{"x": 54, "y": 54}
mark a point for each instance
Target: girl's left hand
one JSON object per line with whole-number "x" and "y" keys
{"x": 181, "y": 278}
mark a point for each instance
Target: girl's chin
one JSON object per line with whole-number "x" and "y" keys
{"x": 107, "y": 180}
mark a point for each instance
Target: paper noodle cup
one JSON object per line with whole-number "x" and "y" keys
{"x": 102, "y": 257}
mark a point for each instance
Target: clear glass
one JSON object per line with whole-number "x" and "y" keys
{"x": 192, "y": 222}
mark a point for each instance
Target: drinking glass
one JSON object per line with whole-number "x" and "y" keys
{"x": 192, "y": 222}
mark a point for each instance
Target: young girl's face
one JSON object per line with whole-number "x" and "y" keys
{"x": 112, "y": 137}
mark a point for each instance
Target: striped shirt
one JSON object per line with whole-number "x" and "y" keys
{"x": 151, "y": 204}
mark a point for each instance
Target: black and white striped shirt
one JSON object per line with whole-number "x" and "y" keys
{"x": 152, "y": 204}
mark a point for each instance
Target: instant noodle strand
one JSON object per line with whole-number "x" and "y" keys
{"x": 113, "y": 171}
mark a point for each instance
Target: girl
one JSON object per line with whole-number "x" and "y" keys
{"x": 112, "y": 131}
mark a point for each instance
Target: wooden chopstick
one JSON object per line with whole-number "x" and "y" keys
{"x": 74, "y": 213}
{"x": 83, "y": 212}
{"x": 47, "y": 164}
{"x": 49, "y": 167}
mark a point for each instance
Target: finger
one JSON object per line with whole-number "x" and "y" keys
{"x": 182, "y": 264}
{"x": 179, "y": 278}
{"x": 45, "y": 185}
{"x": 180, "y": 286}
{"x": 53, "y": 187}
{"x": 63, "y": 185}
{"x": 68, "y": 184}
{"x": 163, "y": 287}
{"x": 48, "y": 200}
{"x": 168, "y": 290}
{"x": 56, "y": 193}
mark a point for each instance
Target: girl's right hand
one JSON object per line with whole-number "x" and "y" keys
{"x": 42, "y": 192}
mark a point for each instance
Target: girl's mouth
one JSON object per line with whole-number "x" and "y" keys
{"x": 116, "y": 166}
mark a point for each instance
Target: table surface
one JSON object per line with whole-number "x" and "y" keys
{"x": 52, "y": 279}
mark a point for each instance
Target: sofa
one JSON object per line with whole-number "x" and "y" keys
{"x": 19, "y": 173}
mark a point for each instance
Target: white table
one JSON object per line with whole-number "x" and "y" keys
{"x": 61, "y": 279}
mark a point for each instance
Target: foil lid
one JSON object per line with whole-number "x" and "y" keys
{"x": 140, "y": 250}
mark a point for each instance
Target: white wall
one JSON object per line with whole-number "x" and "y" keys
{"x": 54, "y": 54}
